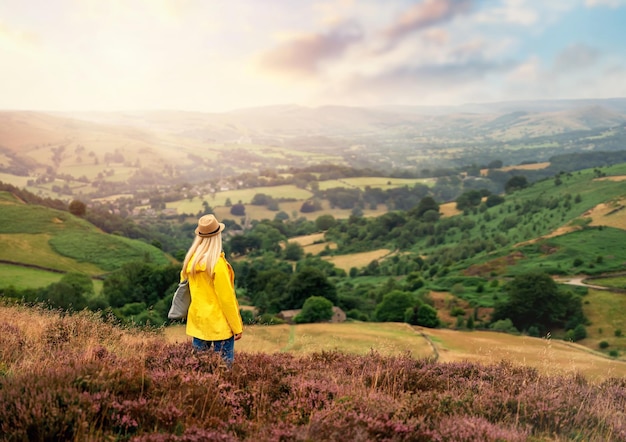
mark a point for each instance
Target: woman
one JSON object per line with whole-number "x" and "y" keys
{"x": 213, "y": 319}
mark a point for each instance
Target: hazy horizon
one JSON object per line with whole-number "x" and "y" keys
{"x": 194, "y": 55}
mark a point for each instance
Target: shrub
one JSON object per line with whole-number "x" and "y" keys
{"x": 504, "y": 325}
{"x": 315, "y": 309}
{"x": 247, "y": 316}
{"x": 580, "y": 332}
{"x": 603, "y": 345}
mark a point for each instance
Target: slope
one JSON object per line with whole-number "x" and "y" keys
{"x": 37, "y": 236}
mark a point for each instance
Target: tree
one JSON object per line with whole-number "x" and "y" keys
{"x": 65, "y": 296}
{"x": 293, "y": 251}
{"x": 77, "y": 208}
{"x": 325, "y": 222}
{"x": 238, "y": 209}
{"x": 310, "y": 206}
{"x": 515, "y": 183}
{"x": 534, "y": 299}
{"x": 80, "y": 282}
{"x": 468, "y": 199}
{"x": 315, "y": 309}
{"x": 393, "y": 306}
{"x": 427, "y": 203}
{"x": 308, "y": 282}
{"x": 494, "y": 200}
{"x": 427, "y": 316}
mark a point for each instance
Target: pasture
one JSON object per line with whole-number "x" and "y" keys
{"x": 346, "y": 262}
{"x": 35, "y": 249}
{"x": 383, "y": 183}
{"x": 26, "y": 278}
{"x": 349, "y": 337}
{"x": 605, "y": 311}
{"x": 314, "y": 243}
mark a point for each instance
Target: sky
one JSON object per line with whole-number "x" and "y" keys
{"x": 216, "y": 55}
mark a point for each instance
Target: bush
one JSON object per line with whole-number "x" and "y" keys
{"x": 315, "y": 309}
{"x": 269, "y": 319}
{"x": 603, "y": 345}
{"x": 580, "y": 332}
{"x": 504, "y": 325}
{"x": 247, "y": 316}
{"x": 618, "y": 332}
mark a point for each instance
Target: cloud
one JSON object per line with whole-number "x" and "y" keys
{"x": 304, "y": 55}
{"x": 576, "y": 56}
{"x": 609, "y": 3}
{"x": 426, "y": 83}
{"x": 512, "y": 11}
{"x": 424, "y": 15}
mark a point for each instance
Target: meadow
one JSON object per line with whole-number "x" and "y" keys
{"x": 77, "y": 377}
{"x": 548, "y": 356}
{"x": 53, "y": 239}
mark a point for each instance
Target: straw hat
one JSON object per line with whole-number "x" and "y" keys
{"x": 209, "y": 226}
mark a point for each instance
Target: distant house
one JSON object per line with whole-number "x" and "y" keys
{"x": 288, "y": 315}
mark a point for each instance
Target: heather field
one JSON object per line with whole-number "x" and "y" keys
{"x": 79, "y": 378}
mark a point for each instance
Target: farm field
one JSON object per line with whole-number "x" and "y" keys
{"x": 550, "y": 357}
{"x": 26, "y": 278}
{"x": 346, "y": 262}
{"x": 293, "y": 210}
{"x": 35, "y": 249}
{"x": 375, "y": 182}
{"x": 313, "y": 243}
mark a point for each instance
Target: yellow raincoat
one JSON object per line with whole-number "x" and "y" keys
{"x": 214, "y": 311}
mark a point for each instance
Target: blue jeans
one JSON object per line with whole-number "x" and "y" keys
{"x": 225, "y": 348}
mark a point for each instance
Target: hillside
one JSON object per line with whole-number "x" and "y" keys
{"x": 109, "y": 383}
{"x": 54, "y": 240}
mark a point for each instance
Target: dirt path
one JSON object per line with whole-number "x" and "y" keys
{"x": 580, "y": 281}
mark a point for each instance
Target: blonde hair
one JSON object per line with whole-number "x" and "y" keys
{"x": 203, "y": 250}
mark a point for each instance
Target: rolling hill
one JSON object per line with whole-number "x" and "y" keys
{"x": 132, "y": 150}
{"x": 54, "y": 240}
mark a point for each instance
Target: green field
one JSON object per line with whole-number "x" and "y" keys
{"x": 375, "y": 182}
{"x": 605, "y": 310}
{"x": 616, "y": 282}
{"x": 55, "y": 239}
{"x": 26, "y": 278}
{"x": 243, "y": 195}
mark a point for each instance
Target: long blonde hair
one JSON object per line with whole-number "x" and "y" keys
{"x": 203, "y": 250}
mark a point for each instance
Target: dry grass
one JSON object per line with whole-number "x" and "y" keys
{"x": 535, "y": 166}
{"x": 314, "y": 243}
{"x": 551, "y": 357}
{"x": 611, "y": 213}
{"x": 346, "y": 262}
{"x": 389, "y": 339}
{"x": 606, "y": 308}
{"x": 449, "y": 209}
{"x": 29, "y": 334}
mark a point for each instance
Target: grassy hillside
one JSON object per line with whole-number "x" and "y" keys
{"x": 550, "y": 357}
{"x": 52, "y": 239}
{"x": 75, "y": 377}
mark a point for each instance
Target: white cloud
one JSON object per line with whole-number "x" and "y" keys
{"x": 609, "y": 3}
